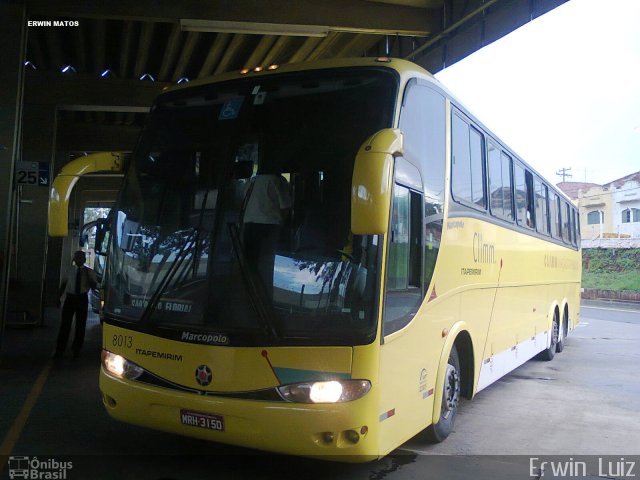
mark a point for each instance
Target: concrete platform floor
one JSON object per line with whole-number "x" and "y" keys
{"x": 585, "y": 402}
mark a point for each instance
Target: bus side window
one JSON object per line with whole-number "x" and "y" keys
{"x": 423, "y": 122}
{"x": 467, "y": 182}
{"x": 403, "y": 294}
{"x": 525, "y": 212}
{"x": 554, "y": 214}
{"x": 567, "y": 235}
{"x": 542, "y": 217}
{"x": 500, "y": 194}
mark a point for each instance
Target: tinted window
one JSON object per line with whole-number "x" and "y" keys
{"x": 423, "y": 122}
{"x": 467, "y": 163}
{"x": 403, "y": 286}
{"x": 500, "y": 195}
{"x": 542, "y": 221}
{"x": 566, "y": 222}
{"x": 476, "y": 146}
{"x": 524, "y": 197}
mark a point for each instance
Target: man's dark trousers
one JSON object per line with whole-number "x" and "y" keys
{"x": 73, "y": 305}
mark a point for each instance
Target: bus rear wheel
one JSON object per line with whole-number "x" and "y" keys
{"x": 565, "y": 332}
{"x": 437, "y": 432}
{"x": 549, "y": 353}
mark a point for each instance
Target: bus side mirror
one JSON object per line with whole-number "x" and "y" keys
{"x": 372, "y": 182}
{"x": 102, "y": 227}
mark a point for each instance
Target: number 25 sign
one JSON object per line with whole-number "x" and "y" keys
{"x": 32, "y": 173}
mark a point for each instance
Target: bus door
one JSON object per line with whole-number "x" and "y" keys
{"x": 404, "y": 401}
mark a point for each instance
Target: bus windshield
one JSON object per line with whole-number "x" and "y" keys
{"x": 234, "y": 217}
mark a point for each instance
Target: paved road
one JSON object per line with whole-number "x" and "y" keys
{"x": 612, "y": 312}
{"x": 585, "y": 402}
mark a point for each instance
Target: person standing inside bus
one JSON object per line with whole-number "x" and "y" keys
{"x": 266, "y": 210}
{"x": 75, "y": 285}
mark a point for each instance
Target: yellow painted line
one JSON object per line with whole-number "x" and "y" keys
{"x": 18, "y": 424}
{"x": 414, "y": 451}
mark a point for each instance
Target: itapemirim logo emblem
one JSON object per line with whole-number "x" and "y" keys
{"x": 203, "y": 375}
{"x": 33, "y": 468}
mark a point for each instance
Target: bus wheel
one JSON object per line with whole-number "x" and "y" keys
{"x": 550, "y": 352}
{"x": 450, "y": 399}
{"x": 565, "y": 332}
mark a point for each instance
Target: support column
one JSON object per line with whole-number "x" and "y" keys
{"x": 13, "y": 41}
{"x": 30, "y": 242}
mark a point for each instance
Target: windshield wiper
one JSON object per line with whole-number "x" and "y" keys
{"x": 194, "y": 238}
{"x": 166, "y": 280}
{"x": 257, "y": 296}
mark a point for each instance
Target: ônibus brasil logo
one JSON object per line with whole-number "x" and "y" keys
{"x": 34, "y": 468}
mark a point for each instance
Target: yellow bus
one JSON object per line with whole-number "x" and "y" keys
{"x": 321, "y": 259}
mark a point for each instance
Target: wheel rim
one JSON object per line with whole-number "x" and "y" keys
{"x": 451, "y": 392}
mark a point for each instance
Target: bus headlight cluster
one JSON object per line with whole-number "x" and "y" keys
{"x": 334, "y": 391}
{"x": 120, "y": 367}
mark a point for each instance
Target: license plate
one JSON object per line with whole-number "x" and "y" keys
{"x": 202, "y": 420}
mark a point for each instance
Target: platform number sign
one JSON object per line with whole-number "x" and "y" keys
{"x": 32, "y": 173}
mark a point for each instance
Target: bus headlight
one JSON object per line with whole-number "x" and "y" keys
{"x": 334, "y": 391}
{"x": 120, "y": 367}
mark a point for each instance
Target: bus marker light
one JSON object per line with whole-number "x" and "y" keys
{"x": 445, "y": 332}
{"x": 386, "y": 415}
{"x": 364, "y": 430}
{"x": 434, "y": 295}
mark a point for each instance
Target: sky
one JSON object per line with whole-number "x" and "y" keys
{"x": 562, "y": 91}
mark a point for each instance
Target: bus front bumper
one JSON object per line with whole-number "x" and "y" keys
{"x": 341, "y": 431}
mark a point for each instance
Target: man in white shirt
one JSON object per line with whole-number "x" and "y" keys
{"x": 75, "y": 285}
{"x": 266, "y": 210}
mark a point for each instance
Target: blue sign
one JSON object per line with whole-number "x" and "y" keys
{"x": 231, "y": 109}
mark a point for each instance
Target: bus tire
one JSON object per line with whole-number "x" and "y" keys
{"x": 565, "y": 332}
{"x": 437, "y": 432}
{"x": 548, "y": 354}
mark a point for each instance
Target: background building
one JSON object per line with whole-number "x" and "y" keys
{"x": 609, "y": 213}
